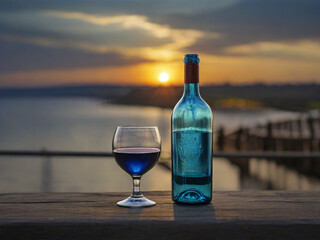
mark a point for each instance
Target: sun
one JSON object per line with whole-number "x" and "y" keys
{"x": 163, "y": 77}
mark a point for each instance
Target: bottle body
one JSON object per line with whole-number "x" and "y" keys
{"x": 191, "y": 139}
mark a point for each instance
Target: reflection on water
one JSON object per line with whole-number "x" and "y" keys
{"x": 93, "y": 175}
{"x": 74, "y": 175}
{"x": 280, "y": 177}
{"x": 88, "y": 125}
{"x": 46, "y": 175}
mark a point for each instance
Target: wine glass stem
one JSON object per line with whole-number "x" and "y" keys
{"x": 136, "y": 187}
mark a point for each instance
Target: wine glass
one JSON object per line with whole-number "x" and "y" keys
{"x": 136, "y": 150}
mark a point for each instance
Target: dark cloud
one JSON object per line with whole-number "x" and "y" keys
{"x": 27, "y": 57}
{"x": 252, "y": 21}
{"x": 113, "y": 7}
{"x": 90, "y": 33}
{"x": 236, "y": 21}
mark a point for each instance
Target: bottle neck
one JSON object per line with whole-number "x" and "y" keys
{"x": 191, "y": 73}
{"x": 191, "y": 90}
{"x": 191, "y": 80}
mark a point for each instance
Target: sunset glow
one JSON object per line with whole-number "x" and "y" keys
{"x": 105, "y": 43}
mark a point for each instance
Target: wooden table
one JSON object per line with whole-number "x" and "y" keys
{"x": 232, "y": 215}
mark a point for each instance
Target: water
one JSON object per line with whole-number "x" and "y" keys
{"x": 78, "y": 124}
{"x": 192, "y": 166}
{"x": 136, "y": 161}
{"x": 81, "y": 124}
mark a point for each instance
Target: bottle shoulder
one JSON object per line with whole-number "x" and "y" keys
{"x": 195, "y": 105}
{"x": 192, "y": 113}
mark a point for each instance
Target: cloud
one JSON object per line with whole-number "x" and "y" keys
{"x": 252, "y": 21}
{"x": 161, "y": 29}
{"x": 124, "y": 21}
{"x": 177, "y": 38}
{"x": 302, "y": 50}
{"x": 30, "y": 42}
{"x": 65, "y": 27}
{"x": 128, "y": 35}
{"x": 114, "y": 7}
{"x": 17, "y": 56}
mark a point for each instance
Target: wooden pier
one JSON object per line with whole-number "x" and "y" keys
{"x": 300, "y": 135}
{"x": 232, "y": 215}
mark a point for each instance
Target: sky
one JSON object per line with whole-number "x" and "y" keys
{"x": 62, "y": 42}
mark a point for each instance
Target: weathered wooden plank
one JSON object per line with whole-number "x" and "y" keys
{"x": 232, "y": 215}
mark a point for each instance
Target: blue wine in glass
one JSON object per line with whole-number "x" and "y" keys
{"x": 136, "y": 161}
{"x": 136, "y": 150}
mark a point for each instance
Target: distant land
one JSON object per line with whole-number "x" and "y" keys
{"x": 96, "y": 91}
{"x": 302, "y": 97}
{"x": 298, "y": 97}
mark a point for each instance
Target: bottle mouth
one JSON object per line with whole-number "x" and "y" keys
{"x": 191, "y": 58}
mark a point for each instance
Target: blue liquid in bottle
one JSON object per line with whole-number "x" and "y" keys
{"x": 191, "y": 142}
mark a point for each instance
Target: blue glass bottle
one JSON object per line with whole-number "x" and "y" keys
{"x": 191, "y": 139}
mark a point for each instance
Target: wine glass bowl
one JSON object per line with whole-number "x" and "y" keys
{"x": 136, "y": 150}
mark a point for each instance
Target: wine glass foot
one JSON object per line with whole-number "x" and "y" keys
{"x": 136, "y": 202}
